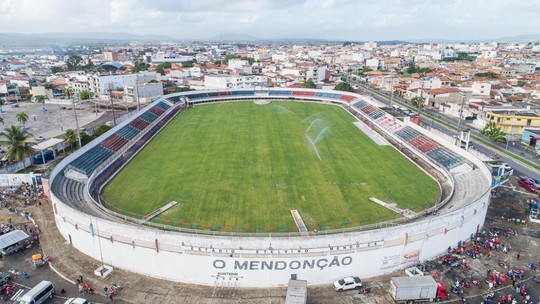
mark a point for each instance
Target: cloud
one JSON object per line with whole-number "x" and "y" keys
{"x": 331, "y": 19}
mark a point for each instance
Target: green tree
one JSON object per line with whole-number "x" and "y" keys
{"x": 217, "y": 62}
{"x": 494, "y": 133}
{"x": 140, "y": 66}
{"x": 22, "y": 118}
{"x": 48, "y": 86}
{"x": 417, "y": 101}
{"x": 89, "y": 66}
{"x": 56, "y": 69}
{"x": 187, "y": 64}
{"x": 182, "y": 89}
{"x": 344, "y": 86}
{"x": 15, "y": 138}
{"x": 70, "y": 137}
{"x": 521, "y": 83}
{"x": 85, "y": 95}
{"x": 73, "y": 63}
{"x": 85, "y": 138}
{"x": 102, "y": 129}
{"x": 40, "y": 98}
{"x": 309, "y": 84}
{"x": 160, "y": 69}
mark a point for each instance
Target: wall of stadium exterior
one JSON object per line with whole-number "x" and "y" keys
{"x": 239, "y": 261}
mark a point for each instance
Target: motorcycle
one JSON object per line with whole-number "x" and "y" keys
{"x": 477, "y": 283}
{"x": 364, "y": 290}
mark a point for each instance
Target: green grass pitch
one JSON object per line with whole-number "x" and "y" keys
{"x": 243, "y": 164}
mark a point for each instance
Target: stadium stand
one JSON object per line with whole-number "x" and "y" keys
{"x": 128, "y": 132}
{"x": 328, "y": 95}
{"x": 114, "y": 142}
{"x": 280, "y": 93}
{"x": 156, "y": 110}
{"x": 216, "y": 94}
{"x": 92, "y": 159}
{"x": 445, "y": 157}
{"x": 243, "y": 93}
{"x": 347, "y": 98}
{"x": 197, "y": 96}
{"x": 303, "y": 93}
{"x": 407, "y": 133}
{"x": 389, "y": 123}
{"x": 149, "y": 117}
{"x": 139, "y": 123}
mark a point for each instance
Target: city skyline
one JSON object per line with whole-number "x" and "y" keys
{"x": 325, "y": 19}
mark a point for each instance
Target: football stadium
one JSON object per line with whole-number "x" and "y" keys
{"x": 249, "y": 188}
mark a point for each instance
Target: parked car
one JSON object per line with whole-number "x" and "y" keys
{"x": 527, "y": 184}
{"x": 535, "y": 181}
{"x": 76, "y": 301}
{"x": 347, "y": 283}
{"x": 39, "y": 138}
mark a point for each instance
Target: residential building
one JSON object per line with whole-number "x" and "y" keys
{"x": 513, "y": 122}
{"x": 222, "y": 81}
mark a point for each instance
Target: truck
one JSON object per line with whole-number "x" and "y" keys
{"x": 296, "y": 292}
{"x": 416, "y": 289}
{"x": 14, "y": 241}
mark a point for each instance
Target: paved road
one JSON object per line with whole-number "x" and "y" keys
{"x": 519, "y": 168}
{"x": 22, "y": 262}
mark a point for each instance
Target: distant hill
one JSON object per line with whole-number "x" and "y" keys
{"x": 46, "y": 39}
{"x": 517, "y": 39}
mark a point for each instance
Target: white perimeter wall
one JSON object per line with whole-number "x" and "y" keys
{"x": 265, "y": 261}
{"x": 249, "y": 262}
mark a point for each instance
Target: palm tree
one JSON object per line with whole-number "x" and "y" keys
{"x": 40, "y": 98}
{"x": 22, "y": 118}
{"x": 18, "y": 149}
{"x": 70, "y": 137}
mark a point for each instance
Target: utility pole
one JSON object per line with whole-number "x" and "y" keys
{"x": 112, "y": 103}
{"x": 137, "y": 92}
{"x": 460, "y": 116}
{"x": 420, "y": 103}
{"x": 392, "y": 90}
{"x": 76, "y": 119}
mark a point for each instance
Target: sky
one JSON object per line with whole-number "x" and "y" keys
{"x": 268, "y": 19}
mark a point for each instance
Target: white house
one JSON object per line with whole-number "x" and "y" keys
{"x": 220, "y": 81}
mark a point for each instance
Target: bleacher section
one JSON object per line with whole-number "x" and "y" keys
{"x": 347, "y": 98}
{"x": 407, "y": 133}
{"x": 114, "y": 142}
{"x": 423, "y": 143}
{"x": 139, "y": 123}
{"x": 430, "y": 148}
{"x": 92, "y": 159}
{"x": 389, "y": 123}
{"x": 445, "y": 157}
{"x": 149, "y": 117}
{"x": 243, "y": 93}
{"x": 197, "y": 96}
{"x": 128, "y": 132}
{"x": 174, "y": 99}
{"x": 157, "y": 111}
{"x": 217, "y": 94}
{"x": 163, "y": 106}
{"x": 280, "y": 93}
{"x": 328, "y": 95}
{"x": 303, "y": 93}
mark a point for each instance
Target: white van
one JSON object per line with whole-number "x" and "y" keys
{"x": 39, "y": 294}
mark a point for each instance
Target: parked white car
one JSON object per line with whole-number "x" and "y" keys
{"x": 347, "y": 283}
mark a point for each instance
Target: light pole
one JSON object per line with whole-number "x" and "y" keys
{"x": 76, "y": 120}
{"x": 460, "y": 116}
